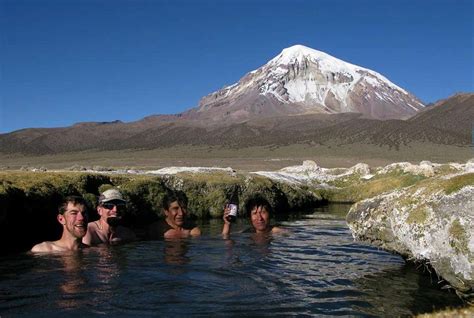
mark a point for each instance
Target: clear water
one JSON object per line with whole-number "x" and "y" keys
{"x": 317, "y": 270}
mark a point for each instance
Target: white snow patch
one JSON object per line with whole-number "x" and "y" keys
{"x": 372, "y": 81}
{"x": 379, "y": 96}
{"x": 329, "y": 64}
{"x": 412, "y": 106}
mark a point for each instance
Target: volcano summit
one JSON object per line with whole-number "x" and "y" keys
{"x": 301, "y": 80}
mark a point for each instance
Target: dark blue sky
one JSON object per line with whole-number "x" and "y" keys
{"x": 68, "y": 61}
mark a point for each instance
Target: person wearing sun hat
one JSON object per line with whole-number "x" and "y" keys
{"x": 107, "y": 230}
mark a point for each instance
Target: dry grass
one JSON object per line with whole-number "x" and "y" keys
{"x": 366, "y": 189}
{"x": 244, "y": 159}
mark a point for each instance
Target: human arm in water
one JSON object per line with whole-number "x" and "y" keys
{"x": 227, "y": 224}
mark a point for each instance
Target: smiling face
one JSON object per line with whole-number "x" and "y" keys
{"x": 110, "y": 209}
{"x": 260, "y": 218}
{"x": 175, "y": 214}
{"x": 74, "y": 220}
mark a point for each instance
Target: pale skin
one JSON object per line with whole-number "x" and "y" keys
{"x": 175, "y": 217}
{"x": 74, "y": 222}
{"x": 259, "y": 218}
{"x": 100, "y": 232}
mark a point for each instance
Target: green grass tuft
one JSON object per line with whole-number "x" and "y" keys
{"x": 457, "y": 183}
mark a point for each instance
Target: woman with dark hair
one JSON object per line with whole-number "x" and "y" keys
{"x": 259, "y": 211}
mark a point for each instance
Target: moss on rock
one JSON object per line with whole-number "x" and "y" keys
{"x": 458, "y": 237}
{"x": 456, "y": 183}
{"x": 418, "y": 215}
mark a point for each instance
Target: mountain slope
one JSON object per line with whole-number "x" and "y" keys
{"x": 447, "y": 123}
{"x": 452, "y": 114}
{"x": 301, "y": 80}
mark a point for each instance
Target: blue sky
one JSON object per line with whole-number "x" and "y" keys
{"x": 68, "y": 61}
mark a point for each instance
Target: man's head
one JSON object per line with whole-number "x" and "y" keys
{"x": 73, "y": 216}
{"x": 175, "y": 208}
{"x": 111, "y": 204}
{"x": 259, "y": 211}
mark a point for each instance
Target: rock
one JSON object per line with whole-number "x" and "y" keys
{"x": 310, "y": 163}
{"x": 197, "y": 170}
{"x": 425, "y": 168}
{"x": 431, "y": 221}
{"x": 367, "y": 177}
{"x": 470, "y": 166}
{"x": 308, "y": 167}
{"x": 361, "y": 168}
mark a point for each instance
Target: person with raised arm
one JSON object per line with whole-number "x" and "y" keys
{"x": 259, "y": 211}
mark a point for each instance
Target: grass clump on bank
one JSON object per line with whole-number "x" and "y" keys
{"x": 456, "y": 183}
{"x": 360, "y": 189}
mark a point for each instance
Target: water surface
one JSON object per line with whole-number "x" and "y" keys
{"x": 316, "y": 270}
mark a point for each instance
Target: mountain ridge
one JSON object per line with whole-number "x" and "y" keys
{"x": 447, "y": 123}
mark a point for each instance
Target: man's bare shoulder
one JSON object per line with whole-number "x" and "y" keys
{"x": 89, "y": 238}
{"x": 279, "y": 230}
{"x": 44, "y": 247}
{"x": 91, "y": 227}
{"x": 196, "y": 231}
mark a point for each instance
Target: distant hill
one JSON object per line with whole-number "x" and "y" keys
{"x": 448, "y": 122}
{"x": 453, "y": 115}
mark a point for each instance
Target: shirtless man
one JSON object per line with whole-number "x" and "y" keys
{"x": 106, "y": 230}
{"x": 72, "y": 215}
{"x": 175, "y": 224}
{"x": 259, "y": 210}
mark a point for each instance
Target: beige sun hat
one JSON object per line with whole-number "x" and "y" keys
{"x": 111, "y": 195}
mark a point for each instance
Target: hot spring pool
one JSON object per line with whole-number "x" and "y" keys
{"x": 317, "y": 270}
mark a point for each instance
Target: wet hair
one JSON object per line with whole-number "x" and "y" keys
{"x": 75, "y": 200}
{"x": 257, "y": 201}
{"x": 173, "y": 196}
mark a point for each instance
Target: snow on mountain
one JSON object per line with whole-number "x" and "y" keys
{"x": 302, "y": 80}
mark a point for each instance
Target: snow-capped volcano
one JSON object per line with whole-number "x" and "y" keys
{"x": 303, "y": 80}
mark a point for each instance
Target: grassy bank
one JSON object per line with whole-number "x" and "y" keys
{"x": 29, "y": 200}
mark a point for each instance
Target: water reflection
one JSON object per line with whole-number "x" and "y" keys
{"x": 403, "y": 291}
{"x": 246, "y": 248}
{"x": 261, "y": 243}
{"x": 175, "y": 251}
{"x": 108, "y": 264}
{"x": 73, "y": 282}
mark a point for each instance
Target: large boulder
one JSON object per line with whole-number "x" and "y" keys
{"x": 431, "y": 221}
